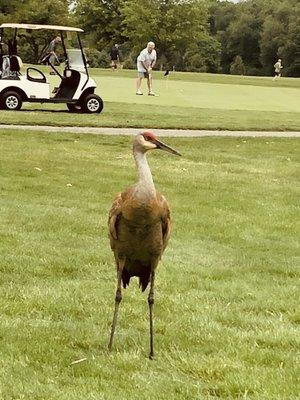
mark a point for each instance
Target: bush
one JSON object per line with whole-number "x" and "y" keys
{"x": 253, "y": 71}
{"x": 129, "y": 61}
{"x": 195, "y": 63}
{"x": 237, "y": 67}
{"x": 294, "y": 69}
{"x": 97, "y": 59}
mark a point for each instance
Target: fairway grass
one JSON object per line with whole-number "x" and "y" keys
{"x": 186, "y": 101}
{"x": 227, "y": 296}
{"x": 138, "y": 116}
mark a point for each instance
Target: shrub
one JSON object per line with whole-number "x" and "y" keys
{"x": 237, "y": 67}
{"x": 97, "y": 58}
{"x": 129, "y": 61}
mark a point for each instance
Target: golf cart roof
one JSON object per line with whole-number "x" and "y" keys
{"x": 50, "y": 27}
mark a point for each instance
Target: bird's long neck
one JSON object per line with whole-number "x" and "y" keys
{"x": 145, "y": 181}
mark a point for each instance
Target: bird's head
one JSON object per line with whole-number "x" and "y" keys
{"x": 148, "y": 141}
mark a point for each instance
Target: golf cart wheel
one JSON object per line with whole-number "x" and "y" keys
{"x": 76, "y": 108}
{"x": 11, "y": 101}
{"x": 92, "y": 104}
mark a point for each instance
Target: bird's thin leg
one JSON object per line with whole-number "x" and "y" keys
{"x": 118, "y": 299}
{"x": 151, "y": 302}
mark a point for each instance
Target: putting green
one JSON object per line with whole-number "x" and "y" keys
{"x": 201, "y": 95}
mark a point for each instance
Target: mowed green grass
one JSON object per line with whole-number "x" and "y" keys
{"x": 227, "y": 294}
{"x": 186, "y": 101}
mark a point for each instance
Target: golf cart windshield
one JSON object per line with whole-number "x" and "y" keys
{"x": 75, "y": 59}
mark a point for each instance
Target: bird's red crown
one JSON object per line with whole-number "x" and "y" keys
{"x": 149, "y": 136}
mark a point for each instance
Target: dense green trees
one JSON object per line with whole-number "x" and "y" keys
{"x": 260, "y": 32}
{"x": 194, "y": 35}
{"x": 175, "y": 26}
{"x": 102, "y": 20}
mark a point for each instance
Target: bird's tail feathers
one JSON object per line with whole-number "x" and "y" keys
{"x": 143, "y": 275}
{"x": 125, "y": 278}
{"x": 143, "y": 281}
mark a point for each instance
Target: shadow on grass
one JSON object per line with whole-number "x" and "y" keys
{"x": 45, "y": 111}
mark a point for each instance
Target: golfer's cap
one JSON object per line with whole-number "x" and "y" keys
{"x": 151, "y": 44}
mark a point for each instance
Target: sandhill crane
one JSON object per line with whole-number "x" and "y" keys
{"x": 139, "y": 228}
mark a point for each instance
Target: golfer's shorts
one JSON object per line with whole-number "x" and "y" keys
{"x": 143, "y": 74}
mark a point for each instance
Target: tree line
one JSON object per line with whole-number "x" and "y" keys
{"x": 190, "y": 35}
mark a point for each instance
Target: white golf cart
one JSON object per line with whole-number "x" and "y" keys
{"x": 76, "y": 88}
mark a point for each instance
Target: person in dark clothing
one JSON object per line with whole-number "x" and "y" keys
{"x": 115, "y": 57}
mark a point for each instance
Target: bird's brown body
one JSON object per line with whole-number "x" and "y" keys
{"x": 139, "y": 228}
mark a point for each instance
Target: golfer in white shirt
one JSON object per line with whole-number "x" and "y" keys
{"x": 145, "y": 62}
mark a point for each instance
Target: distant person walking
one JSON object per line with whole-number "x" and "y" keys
{"x": 145, "y": 63}
{"x": 115, "y": 57}
{"x": 278, "y": 67}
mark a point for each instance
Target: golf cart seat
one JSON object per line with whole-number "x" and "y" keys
{"x": 69, "y": 84}
{"x": 5, "y": 66}
{"x": 11, "y": 66}
{"x": 15, "y": 64}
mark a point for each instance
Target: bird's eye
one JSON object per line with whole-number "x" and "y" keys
{"x": 146, "y": 138}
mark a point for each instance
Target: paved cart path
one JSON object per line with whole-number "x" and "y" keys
{"x": 159, "y": 132}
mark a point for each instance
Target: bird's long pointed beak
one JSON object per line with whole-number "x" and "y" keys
{"x": 162, "y": 146}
